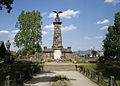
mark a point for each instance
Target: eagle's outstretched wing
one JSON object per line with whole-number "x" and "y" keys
{"x": 60, "y": 12}
{"x": 55, "y": 11}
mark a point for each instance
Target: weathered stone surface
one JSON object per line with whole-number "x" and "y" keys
{"x": 7, "y": 53}
{"x": 57, "y": 51}
{"x": 8, "y": 44}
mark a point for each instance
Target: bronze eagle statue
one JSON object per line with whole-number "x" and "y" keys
{"x": 57, "y": 13}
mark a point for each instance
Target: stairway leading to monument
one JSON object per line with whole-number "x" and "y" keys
{"x": 59, "y": 68}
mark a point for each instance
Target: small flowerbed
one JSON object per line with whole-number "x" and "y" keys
{"x": 60, "y": 80}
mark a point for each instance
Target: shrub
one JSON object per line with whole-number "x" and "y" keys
{"x": 14, "y": 70}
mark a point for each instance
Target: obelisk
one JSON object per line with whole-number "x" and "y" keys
{"x": 57, "y": 39}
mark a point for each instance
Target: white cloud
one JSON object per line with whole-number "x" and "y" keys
{"x": 44, "y": 32}
{"x": 50, "y": 27}
{"x": 68, "y": 28}
{"x": 14, "y": 31}
{"x": 43, "y": 14}
{"x": 50, "y": 38}
{"x": 98, "y": 37}
{"x": 66, "y": 14}
{"x": 114, "y": 2}
{"x": 4, "y": 32}
{"x": 109, "y": 1}
{"x": 9, "y": 34}
{"x": 87, "y": 38}
{"x": 104, "y": 28}
{"x": 100, "y": 41}
{"x": 103, "y": 22}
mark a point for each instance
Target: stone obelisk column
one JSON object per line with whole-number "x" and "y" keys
{"x": 57, "y": 39}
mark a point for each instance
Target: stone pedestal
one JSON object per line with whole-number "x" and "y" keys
{"x": 57, "y": 54}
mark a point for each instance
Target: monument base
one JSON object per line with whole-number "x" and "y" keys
{"x": 51, "y": 53}
{"x": 57, "y": 54}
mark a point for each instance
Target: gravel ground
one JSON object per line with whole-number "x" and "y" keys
{"x": 76, "y": 79}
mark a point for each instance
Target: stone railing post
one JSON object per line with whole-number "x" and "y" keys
{"x": 83, "y": 70}
{"x": 20, "y": 80}
{"x": 94, "y": 75}
{"x": 80, "y": 68}
{"x": 8, "y": 81}
{"x": 91, "y": 74}
{"x": 100, "y": 79}
{"x": 26, "y": 74}
{"x": 112, "y": 81}
{"x": 87, "y": 72}
{"x": 76, "y": 67}
{"x": 42, "y": 68}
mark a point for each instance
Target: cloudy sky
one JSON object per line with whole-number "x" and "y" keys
{"x": 84, "y": 22}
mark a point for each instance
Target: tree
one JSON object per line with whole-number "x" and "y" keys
{"x": 111, "y": 45}
{"x": 29, "y": 37}
{"x": 6, "y": 4}
{"x": 94, "y": 53}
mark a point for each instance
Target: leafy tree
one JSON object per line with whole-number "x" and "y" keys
{"x": 111, "y": 45}
{"x": 6, "y": 4}
{"x": 94, "y": 53}
{"x": 29, "y": 37}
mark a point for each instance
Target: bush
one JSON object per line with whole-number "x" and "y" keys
{"x": 14, "y": 70}
{"x": 59, "y": 77}
{"x": 83, "y": 60}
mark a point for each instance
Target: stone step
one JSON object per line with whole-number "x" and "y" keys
{"x": 59, "y": 68}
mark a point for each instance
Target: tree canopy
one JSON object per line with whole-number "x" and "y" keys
{"x": 29, "y": 37}
{"x": 94, "y": 53}
{"x": 111, "y": 45}
{"x": 6, "y": 4}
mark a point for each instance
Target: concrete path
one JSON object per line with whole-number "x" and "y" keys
{"x": 76, "y": 79}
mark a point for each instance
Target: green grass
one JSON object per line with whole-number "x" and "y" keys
{"x": 1, "y": 61}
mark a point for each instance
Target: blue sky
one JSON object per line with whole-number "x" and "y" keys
{"x": 84, "y": 22}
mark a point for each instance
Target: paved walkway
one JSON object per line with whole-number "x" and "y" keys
{"x": 76, "y": 79}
